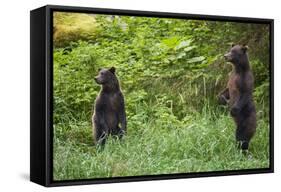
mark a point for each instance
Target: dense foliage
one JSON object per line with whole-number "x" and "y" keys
{"x": 170, "y": 71}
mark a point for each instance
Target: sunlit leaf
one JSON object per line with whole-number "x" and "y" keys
{"x": 183, "y": 44}
{"x": 196, "y": 59}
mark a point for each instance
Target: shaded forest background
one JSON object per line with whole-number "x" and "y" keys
{"x": 170, "y": 71}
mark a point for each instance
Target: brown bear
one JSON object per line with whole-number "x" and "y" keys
{"x": 238, "y": 95}
{"x": 109, "y": 109}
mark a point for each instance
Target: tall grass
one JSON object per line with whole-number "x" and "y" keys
{"x": 202, "y": 141}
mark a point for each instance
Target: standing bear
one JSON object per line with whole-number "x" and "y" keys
{"x": 109, "y": 110}
{"x": 238, "y": 95}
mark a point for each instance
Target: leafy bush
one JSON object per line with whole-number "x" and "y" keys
{"x": 74, "y": 89}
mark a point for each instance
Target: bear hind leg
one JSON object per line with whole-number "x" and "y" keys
{"x": 118, "y": 132}
{"x": 243, "y": 145}
{"x": 246, "y": 129}
{"x": 100, "y": 135}
{"x": 242, "y": 139}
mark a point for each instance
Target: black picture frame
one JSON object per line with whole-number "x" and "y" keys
{"x": 41, "y": 100}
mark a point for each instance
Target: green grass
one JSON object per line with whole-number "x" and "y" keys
{"x": 199, "y": 142}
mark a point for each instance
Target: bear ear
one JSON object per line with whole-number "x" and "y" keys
{"x": 245, "y": 48}
{"x": 99, "y": 69}
{"x": 112, "y": 70}
{"x": 232, "y": 44}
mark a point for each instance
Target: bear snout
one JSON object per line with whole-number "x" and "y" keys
{"x": 97, "y": 80}
{"x": 227, "y": 57}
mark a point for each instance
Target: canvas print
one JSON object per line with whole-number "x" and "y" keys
{"x": 141, "y": 96}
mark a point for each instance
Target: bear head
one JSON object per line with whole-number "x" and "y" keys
{"x": 237, "y": 55}
{"x": 105, "y": 76}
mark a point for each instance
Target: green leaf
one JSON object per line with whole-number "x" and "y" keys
{"x": 195, "y": 59}
{"x": 183, "y": 44}
{"x": 171, "y": 42}
{"x": 187, "y": 49}
{"x": 181, "y": 55}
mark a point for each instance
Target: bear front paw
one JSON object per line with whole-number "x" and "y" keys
{"x": 234, "y": 111}
{"x": 221, "y": 100}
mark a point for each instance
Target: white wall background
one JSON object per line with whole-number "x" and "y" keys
{"x": 14, "y": 94}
